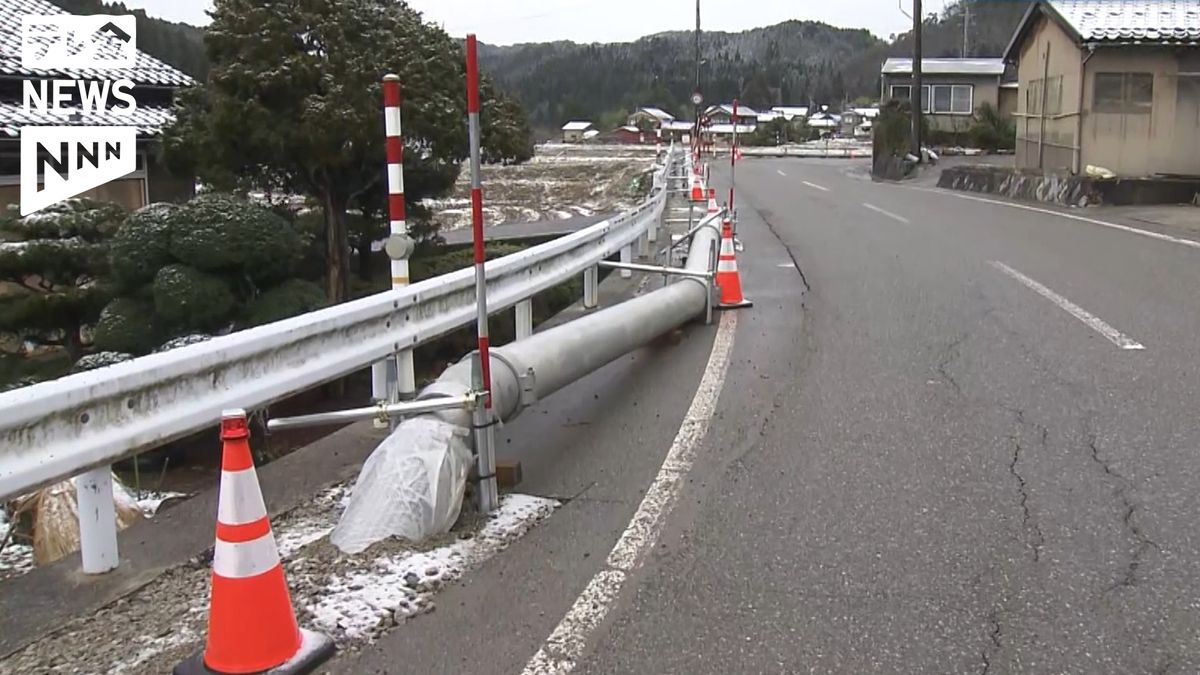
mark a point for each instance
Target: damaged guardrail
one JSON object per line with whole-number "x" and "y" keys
{"x": 54, "y": 430}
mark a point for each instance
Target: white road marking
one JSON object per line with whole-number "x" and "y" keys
{"x": 815, "y": 186}
{"x": 787, "y": 265}
{"x": 781, "y": 173}
{"x": 1095, "y": 323}
{"x": 889, "y": 214}
{"x": 1103, "y": 223}
{"x": 566, "y": 644}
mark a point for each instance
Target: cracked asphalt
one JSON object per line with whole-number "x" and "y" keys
{"x": 919, "y": 465}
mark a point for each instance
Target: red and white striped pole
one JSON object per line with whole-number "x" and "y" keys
{"x": 485, "y": 445}
{"x": 733, "y": 158}
{"x": 406, "y": 383}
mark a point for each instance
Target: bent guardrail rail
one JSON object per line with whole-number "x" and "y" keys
{"x": 58, "y": 429}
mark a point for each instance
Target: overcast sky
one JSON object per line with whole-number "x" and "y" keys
{"x": 511, "y": 21}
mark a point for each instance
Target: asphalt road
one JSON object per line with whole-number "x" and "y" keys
{"x": 952, "y": 473}
{"x": 937, "y": 450}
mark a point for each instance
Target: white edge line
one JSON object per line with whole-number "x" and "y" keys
{"x": 815, "y": 186}
{"x": 566, "y": 644}
{"x": 889, "y": 214}
{"x": 781, "y": 173}
{"x": 1083, "y": 219}
{"x": 1095, "y": 323}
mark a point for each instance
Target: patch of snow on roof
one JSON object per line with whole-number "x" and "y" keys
{"x": 1158, "y": 21}
{"x": 577, "y": 126}
{"x": 897, "y": 66}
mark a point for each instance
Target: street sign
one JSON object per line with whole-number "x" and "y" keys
{"x": 697, "y": 98}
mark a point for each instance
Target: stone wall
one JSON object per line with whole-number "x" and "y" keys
{"x": 1068, "y": 190}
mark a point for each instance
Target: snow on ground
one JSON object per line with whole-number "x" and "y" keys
{"x": 353, "y": 599}
{"x": 561, "y": 181}
{"x": 400, "y": 585}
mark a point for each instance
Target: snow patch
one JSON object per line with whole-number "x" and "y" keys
{"x": 401, "y": 585}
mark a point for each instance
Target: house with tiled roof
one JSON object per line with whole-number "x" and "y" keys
{"x": 155, "y": 87}
{"x": 1109, "y": 83}
{"x": 952, "y": 89}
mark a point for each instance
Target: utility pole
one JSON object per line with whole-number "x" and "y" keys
{"x": 966, "y": 29}
{"x": 696, "y": 134}
{"x": 917, "y": 89}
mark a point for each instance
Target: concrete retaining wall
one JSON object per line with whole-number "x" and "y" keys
{"x": 1067, "y": 190}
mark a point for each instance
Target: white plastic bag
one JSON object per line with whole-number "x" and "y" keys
{"x": 411, "y": 486}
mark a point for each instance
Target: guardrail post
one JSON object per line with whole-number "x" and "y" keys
{"x": 524, "y": 319}
{"x": 643, "y": 245}
{"x": 627, "y": 257}
{"x": 591, "y": 287}
{"x": 97, "y": 521}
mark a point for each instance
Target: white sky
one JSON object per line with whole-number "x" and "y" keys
{"x": 511, "y": 21}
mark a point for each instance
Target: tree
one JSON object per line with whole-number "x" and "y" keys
{"x": 56, "y": 261}
{"x": 209, "y": 266}
{"x": 294, "y": 105}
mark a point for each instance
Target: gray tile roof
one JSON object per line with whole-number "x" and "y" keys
{"x": 148, "y": 70}
{"x": 945, "y": 66}
{"x": 1132, "y": 21}
{"x": 148, "y": 120}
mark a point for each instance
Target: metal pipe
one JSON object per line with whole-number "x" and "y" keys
{"x": 384, "y": 411}
{"x": 535, "y": 368}
{"x": 485, "y": 448}
{"x": 657, "y": 269}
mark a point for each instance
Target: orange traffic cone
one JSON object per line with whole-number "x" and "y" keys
{"x": 712, "y": 201}
{"x": 728, "y": 279}
{"x": 251, "y": 624}
{"x": 697, "y": 189}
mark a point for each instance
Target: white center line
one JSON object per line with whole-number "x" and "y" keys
{"x": 1095, "y": 323}
{"x": 889, "y": 214}
{"x": 815, "y": 186}
{"x": 565, "y": 646}
{"x": 781, "y": 173}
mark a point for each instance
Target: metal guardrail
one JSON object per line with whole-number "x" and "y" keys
{"x": 58, "y": 429}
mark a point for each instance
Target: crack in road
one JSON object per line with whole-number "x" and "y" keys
{"x": 1144, "y": 543}
{"x": 766, "y": 218}
{"x": 994, "y": 648}
{"x": 949, "y": 355}
{"x": 1027, "y": 519}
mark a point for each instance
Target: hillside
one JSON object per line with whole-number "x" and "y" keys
{"x": 795, "y": 62}
{"x": 178, "y": 44}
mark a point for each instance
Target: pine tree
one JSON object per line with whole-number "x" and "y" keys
{"x": 55, "y": 264}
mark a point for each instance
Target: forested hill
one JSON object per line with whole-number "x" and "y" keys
{"x": 795, "y": 62}
{"x": 179, "y": 44}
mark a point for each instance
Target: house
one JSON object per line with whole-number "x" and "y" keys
{"x": 790, "y": 113}
{"x": 575, "y": 132}
{"x": 858, "y": 121}
{"x": 953, "y": 88}
{"x": 723, "y": 114}
{"x": 155, "y": 87}
{"x": 1109, "y": 83}
{"x": 825, "y": 121}
{"x": 628, "y": 135}
{"x": 650, "y": 118}
{"x": 677, "y": 130}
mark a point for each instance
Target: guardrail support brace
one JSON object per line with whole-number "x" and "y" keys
{"x": 97, "y": 521}
{"x": 591, "y": 287}
{"x": 524, "y": 319}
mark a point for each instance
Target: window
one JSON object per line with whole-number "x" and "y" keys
{"x": 1125, "y": 93}
{"x": 953, "y": 99}
{"x": 1053, "y": 89}
{"x": 903, "y": 92}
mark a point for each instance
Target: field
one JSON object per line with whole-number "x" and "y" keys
{"x": 562, "y": 181}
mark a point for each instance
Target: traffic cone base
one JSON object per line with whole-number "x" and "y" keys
{"x": 315, "y": 649}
